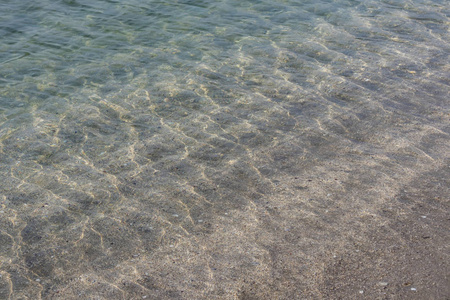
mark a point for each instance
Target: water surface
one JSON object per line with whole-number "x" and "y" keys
{"x": 218, "y": 149}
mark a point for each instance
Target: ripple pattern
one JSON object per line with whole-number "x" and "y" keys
{"x": 218, "y": 149}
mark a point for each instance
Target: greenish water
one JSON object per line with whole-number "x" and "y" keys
{"x": 158, "y": 148}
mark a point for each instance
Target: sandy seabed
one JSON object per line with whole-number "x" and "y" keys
{"x": 259, "y": 158}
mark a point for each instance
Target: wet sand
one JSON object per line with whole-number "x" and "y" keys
{"x": 343, "y": 222}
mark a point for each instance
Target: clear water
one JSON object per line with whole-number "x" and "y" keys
{"x": 182, "y": 149}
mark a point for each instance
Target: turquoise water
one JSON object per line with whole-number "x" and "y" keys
{"x": 158, "y": 148}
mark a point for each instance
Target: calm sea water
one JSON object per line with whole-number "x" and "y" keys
{"x": 170, "y": 149}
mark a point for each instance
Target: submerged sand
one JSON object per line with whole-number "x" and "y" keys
{"x": 225, "y": 150}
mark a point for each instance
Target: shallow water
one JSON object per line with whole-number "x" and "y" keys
{"x": 213, "y": 149}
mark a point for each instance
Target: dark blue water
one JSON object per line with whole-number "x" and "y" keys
{"x": 180, "y": 149}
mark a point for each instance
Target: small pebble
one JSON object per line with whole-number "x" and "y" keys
{"x": 200, "y": 221}
{"x": 38, "y": 280}
{"x": 175, "y": 215}
{"x": 423, "y": 217}
{"x": 361, "y": 292}
{"x": 383, "y": 283}
{"x": 413, "y": 289}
